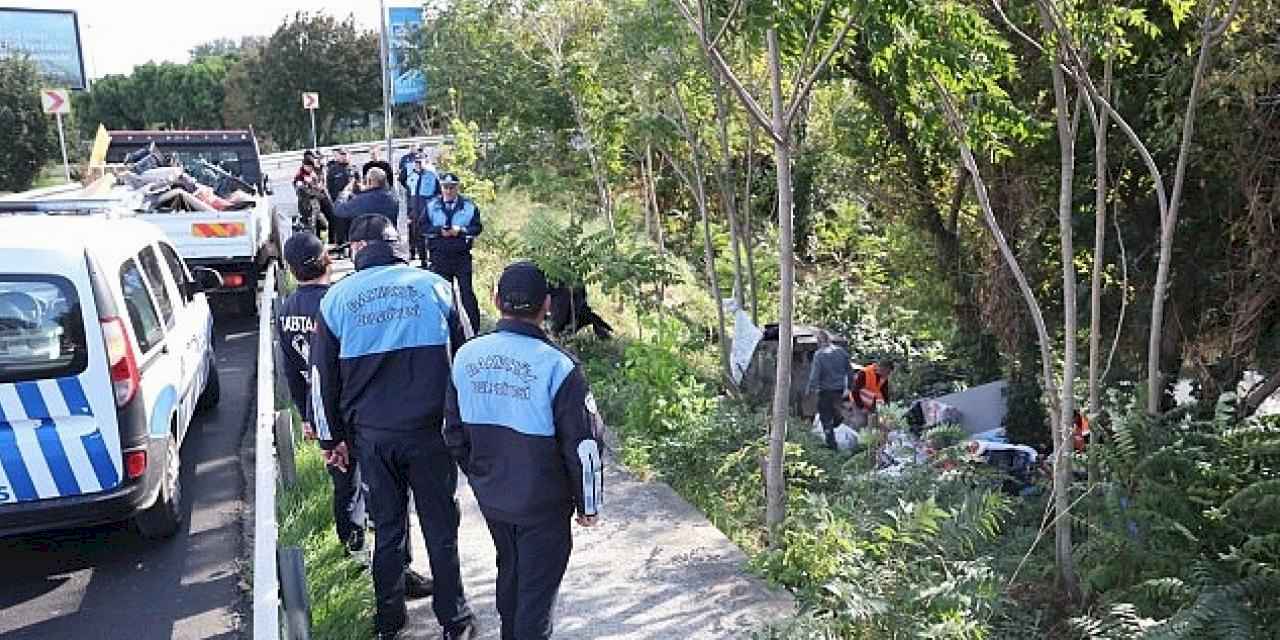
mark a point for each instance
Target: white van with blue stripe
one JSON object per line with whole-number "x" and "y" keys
{"x": 106, "y": 352}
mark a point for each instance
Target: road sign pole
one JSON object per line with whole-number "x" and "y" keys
{"x": 314, "y": 144}
{"x": 385, "y": 59}
{"x": 62, "y": 139}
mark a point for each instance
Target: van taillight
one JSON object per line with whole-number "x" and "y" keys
{"x": 135, "y": 464}
{"x": 123, "y": 365}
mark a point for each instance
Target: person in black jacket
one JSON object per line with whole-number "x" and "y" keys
{"x": 340, "y": 177}
{"x": 312, "y": 268}
{"x": 379, "y": 374}
{"x": 522, "y": 423}
{"x": 376, "y": 198}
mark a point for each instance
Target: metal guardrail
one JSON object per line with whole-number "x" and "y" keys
{"x": 279, "y": 577}
{"x": 266, "y": 582}
{"x": 294, "y": 157}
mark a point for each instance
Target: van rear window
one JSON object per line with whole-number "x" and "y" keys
{"x": 42, "y": 332}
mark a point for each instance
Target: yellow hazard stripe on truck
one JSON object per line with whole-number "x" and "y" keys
{"x": 217, "y": 229}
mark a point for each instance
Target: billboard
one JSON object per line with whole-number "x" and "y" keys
{"x": 52, "y": 39}
{"x": 408, "y": 84}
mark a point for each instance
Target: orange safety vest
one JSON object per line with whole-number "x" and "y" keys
{"x": 870, "y": 392}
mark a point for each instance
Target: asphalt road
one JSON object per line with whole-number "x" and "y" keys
{"x": 107, "y": 582}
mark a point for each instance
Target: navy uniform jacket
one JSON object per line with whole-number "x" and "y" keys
{"x": 295, "y": 324}
{"x": 452, "y": 254}
{"x": 523, "y": 426}
{"x": 371, "y": 201}
{"x": 379, "y": 357}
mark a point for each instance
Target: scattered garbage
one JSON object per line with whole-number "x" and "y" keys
{"x": 846, "y": 437}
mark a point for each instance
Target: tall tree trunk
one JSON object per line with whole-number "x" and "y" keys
{"x": 748, "y": 237}
{"x": 646, "y": 180}
{"x": 775, "y": 489}
{"x": 697, "y": 184}
{"x": 1067, "y": 402}
{"x": 1100, "y": 118}
{"x": 597, "y": 168}
{"x": 1169, "y": 219}
{"x": 725, "y": 181}
{"x": 958, "y": 127}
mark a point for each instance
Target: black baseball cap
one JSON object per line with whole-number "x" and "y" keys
{"x": 449, "y": 178}
{"x": 522, "y": 287}
{"x": 372, "y": 226}
{"x": 304, "y": 253}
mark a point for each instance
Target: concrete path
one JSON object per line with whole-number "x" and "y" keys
{"x": 654, "y": 568}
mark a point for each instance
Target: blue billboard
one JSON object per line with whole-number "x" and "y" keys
{"x": 51, "y": 38}
{"x": 408, "y": 84}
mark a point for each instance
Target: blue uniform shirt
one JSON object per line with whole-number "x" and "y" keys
{"x": 379, "y": 359}
{"x": 520, "y": 419}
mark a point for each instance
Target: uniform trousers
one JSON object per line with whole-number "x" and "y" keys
{"x": 392, "y": 463}
{"x": 531, "y": 563}
{"x": 460, "y": 270}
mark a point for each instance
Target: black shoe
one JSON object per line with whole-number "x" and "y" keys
{"x": 416, "y": 585}
{"x": 464, "y": 631}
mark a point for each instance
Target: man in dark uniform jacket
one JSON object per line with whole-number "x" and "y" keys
{"x": 451, "y": 223}
{"x": 379, "y": 374}
{"x": 522, "y": 423}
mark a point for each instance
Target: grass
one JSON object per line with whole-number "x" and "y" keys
{"x": 339, "y": 588}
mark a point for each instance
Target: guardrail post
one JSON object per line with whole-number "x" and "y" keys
{"x": 293, "y": 593}
{"x": 284, "y": 448}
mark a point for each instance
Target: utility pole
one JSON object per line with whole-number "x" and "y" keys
{"x": 386, "y": 77}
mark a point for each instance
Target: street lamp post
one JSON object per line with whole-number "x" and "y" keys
{"x": 386, "y": 75}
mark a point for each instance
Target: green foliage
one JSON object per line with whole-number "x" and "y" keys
{"x": 158, "y": 96}
{"x": 338, "y": 587}
{"x": 314, "y": 52}
{"x": 25, "y": 131}
{"x": 462, "y": 156}
{"x": 1184, "y": 540}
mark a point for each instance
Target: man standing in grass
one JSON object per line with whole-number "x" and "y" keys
{"x": 522, "y": 423}
{"x": 829, "y": 377}
{"x": 312, "y": 269}
{"x": 379, "y": 375}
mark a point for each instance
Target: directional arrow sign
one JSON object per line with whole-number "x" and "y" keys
{"x": 55, "y": 101}
{"x": 310, "y": 101}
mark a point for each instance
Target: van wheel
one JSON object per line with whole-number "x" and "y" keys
{"x": 162, "y": 519}
{"x": 212, "y": 389}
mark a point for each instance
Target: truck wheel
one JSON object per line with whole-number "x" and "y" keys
{"x": 212, "y": 388}
{"x": 162, "y": 519}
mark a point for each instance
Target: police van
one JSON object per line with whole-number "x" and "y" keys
{"x": 106, "y": 352}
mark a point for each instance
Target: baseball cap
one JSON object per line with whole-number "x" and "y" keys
{"x": 304, "y": 253}
{"x": 522, "y": 287}
{"x": 370, "y": 227}
{"x": 449, "y": 178}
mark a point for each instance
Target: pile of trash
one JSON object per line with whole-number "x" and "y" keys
{"x": 156, "y": 182}
{"x": 933, "y": 436}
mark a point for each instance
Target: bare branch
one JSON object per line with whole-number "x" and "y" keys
{"x": 1014, "y": 28}
{"x": 748, "y": 102}
{"x": 1124, "y": 298}
{"x": 724, "y": 26}
{"x": 804, "y": 88}
{"x": 808, "y": 46}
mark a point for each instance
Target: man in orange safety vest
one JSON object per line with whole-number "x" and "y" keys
{"x": 869, "y": 390}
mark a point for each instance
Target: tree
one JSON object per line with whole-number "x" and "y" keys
{"x": 780, "y": 127}
{"x": 24, "y": 128}
{"x": 315, "y": 52}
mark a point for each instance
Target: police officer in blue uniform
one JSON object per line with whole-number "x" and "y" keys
{"x": 451, "y": 224}
{"x": 379, "y": 376}
{"x": 522, "y": 423}
{"x": 311, "y": 267}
